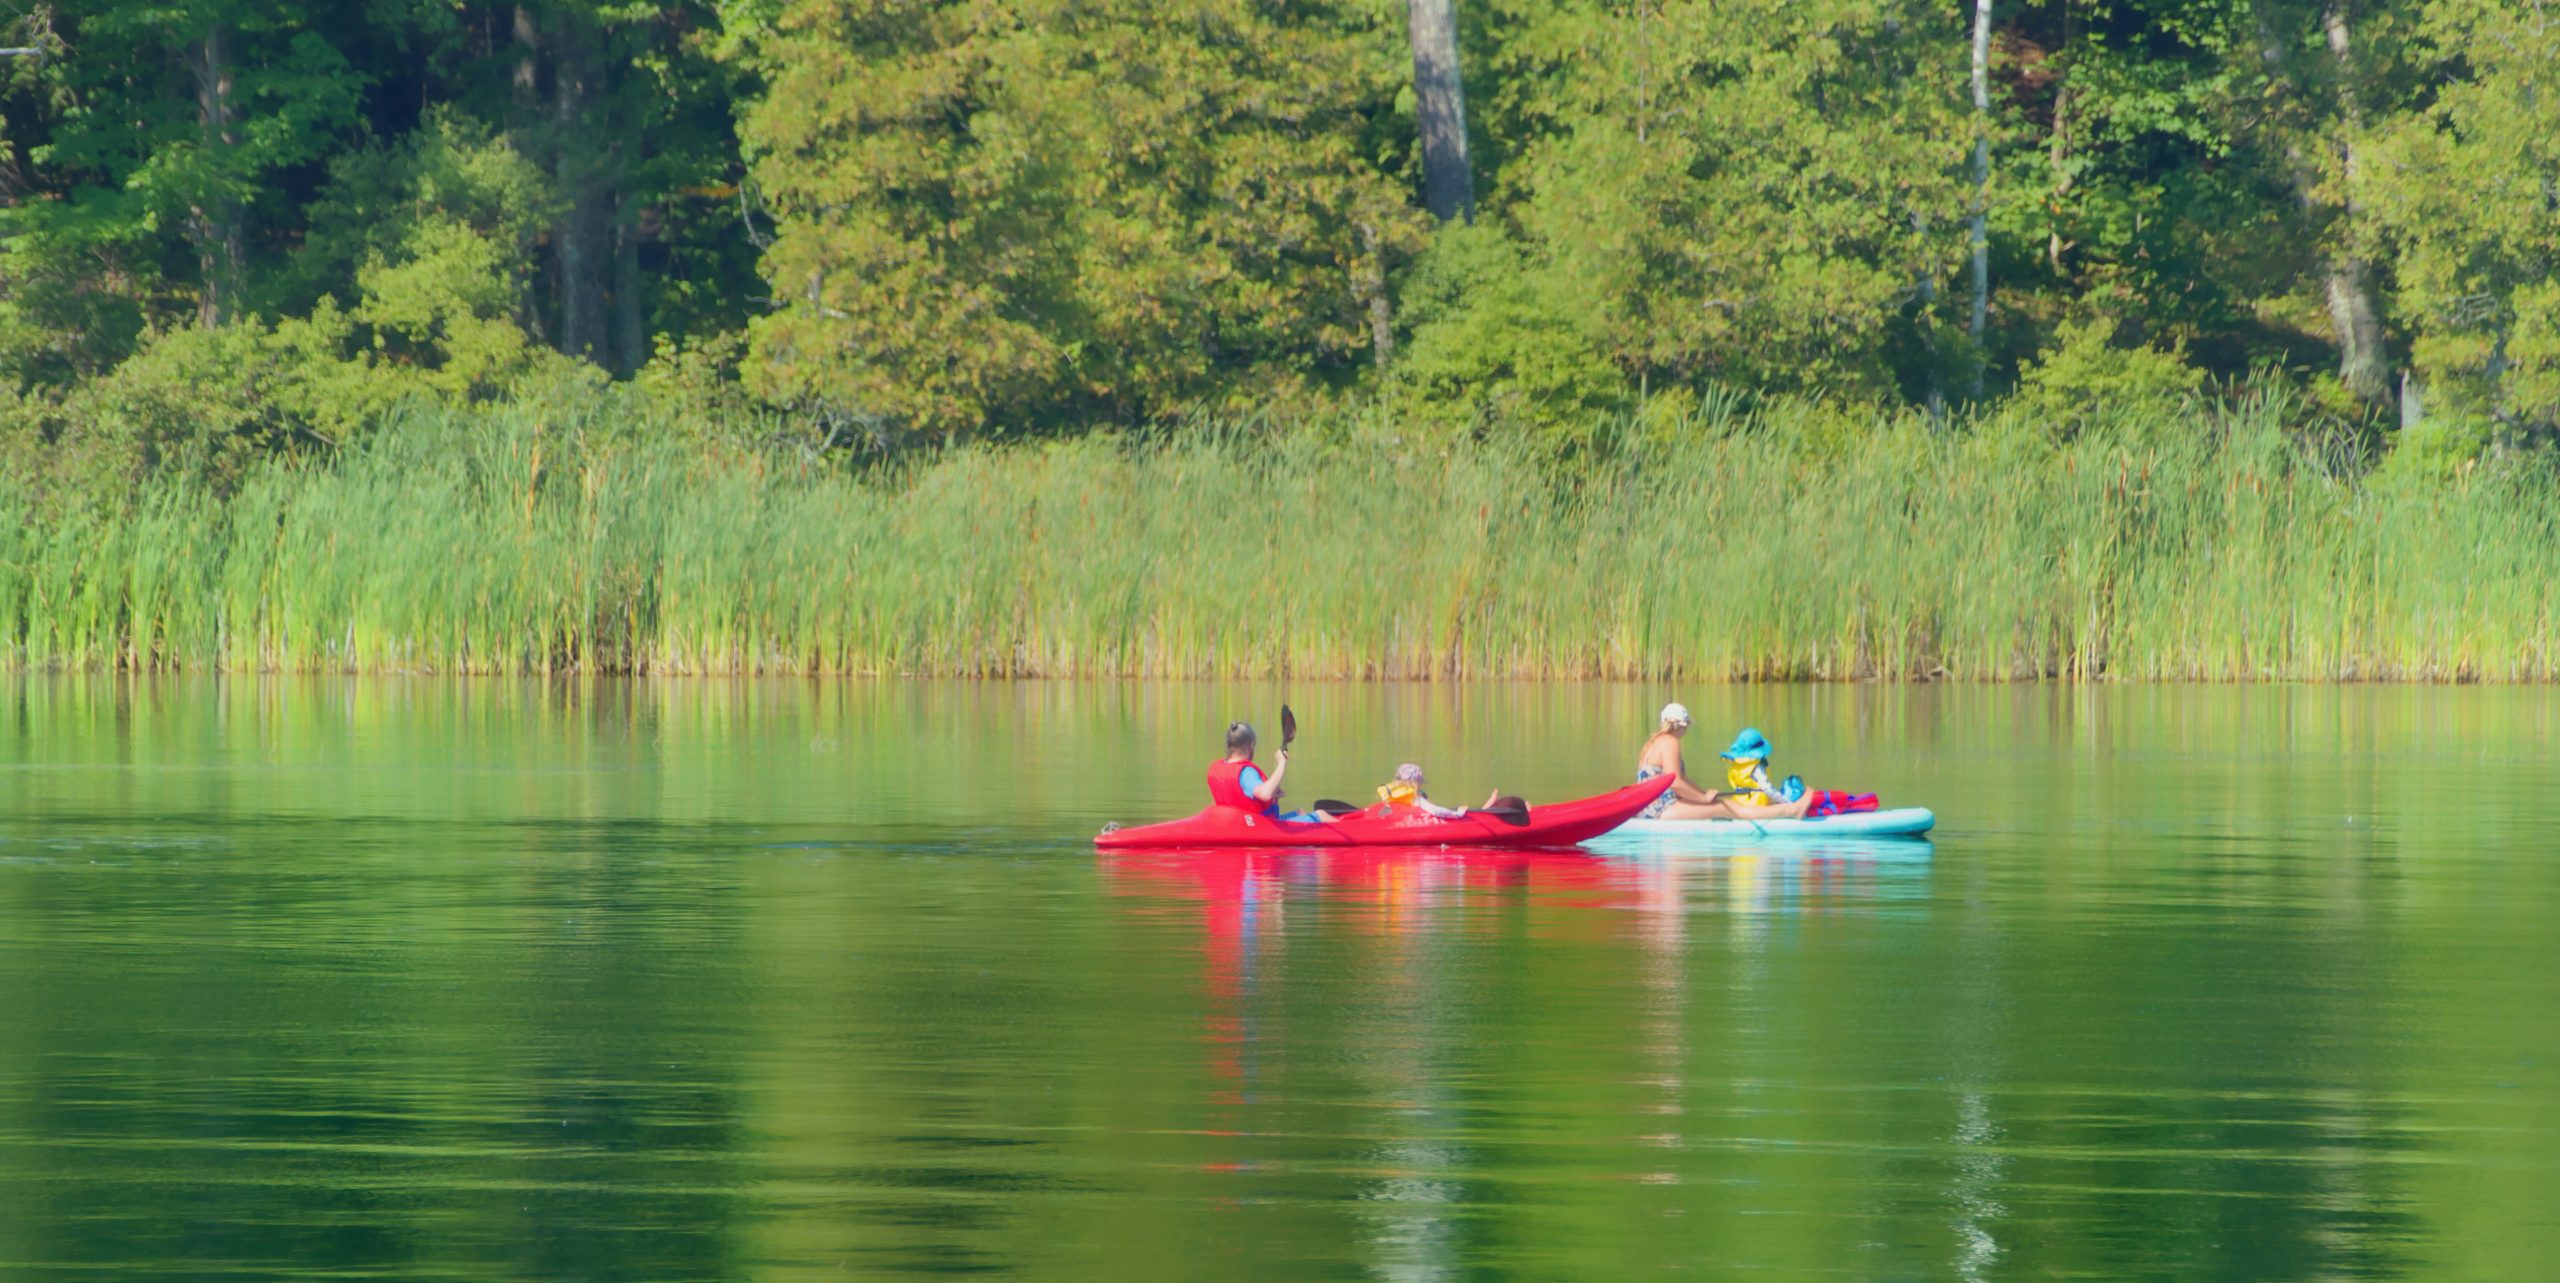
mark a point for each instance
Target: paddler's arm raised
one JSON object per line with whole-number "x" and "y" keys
{"x": 1269, "y": 789}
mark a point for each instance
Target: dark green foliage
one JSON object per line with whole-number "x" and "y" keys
{"x": 1009, "y": 214}
{"x": 233, "y": 231}
{"x": 218, "y": 162}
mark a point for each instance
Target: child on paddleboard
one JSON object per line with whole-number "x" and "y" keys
{"x": 1746, "y": 772}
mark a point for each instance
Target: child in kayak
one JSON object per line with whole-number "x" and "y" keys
{"x": 1405, "y": 790}
{"x": 1236, "y": 782}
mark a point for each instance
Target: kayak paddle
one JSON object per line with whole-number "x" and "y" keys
{"x": 1509, "y": 810}
{"x": 1288, "y": 727}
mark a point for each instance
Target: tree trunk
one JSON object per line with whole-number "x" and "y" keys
{"x": 630, "y": 339}
{"x": 579, "y": 239}
{"x": 214, "y": 220}
{"x": 2345, "y": 279}
{"x": 2058, "y": 162}
{"x": 2055, "y": 247}
{"x": 1926, "y": 287}
{"x": 1371, "y": 288}
{"x": 524, "y": 84}
{"x": 1448, "y": 186}
{"x": 1979, "y": 229}
{"x": 2353, "y": 309}
{"x": 2358, "y": 320}
{"x": 524, "y": 79}
{"x": 1644, "y": 75}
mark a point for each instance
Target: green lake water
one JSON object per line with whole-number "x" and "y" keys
{"x": 782, "y": 980}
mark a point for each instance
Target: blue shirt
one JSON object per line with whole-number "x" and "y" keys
{"x": 1251, "y": 779}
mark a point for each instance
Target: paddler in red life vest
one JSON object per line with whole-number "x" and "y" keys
{"x": 1235, "y": 781}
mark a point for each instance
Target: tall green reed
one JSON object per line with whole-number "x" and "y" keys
{"x": 551, "y": 538}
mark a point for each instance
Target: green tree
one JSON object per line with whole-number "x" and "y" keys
{"x": 176, "y": 161}
{"x": 1491, "y": 342}
{"x": 1756, "y": 191}
{"x": 2318, "y": 94}
{"x": 434, "y": 241}
{"x": 2468, "y": 194}
{"x": 630, "y": 110}
{"x": 161, "y": 130}
{"x": 996, "y": 214}
{"x": 2194, "y": 178}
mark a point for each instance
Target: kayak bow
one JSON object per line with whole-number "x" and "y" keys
{"x": 1556, "y": 824}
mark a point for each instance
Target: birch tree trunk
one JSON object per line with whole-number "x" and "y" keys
{"x": 2058, "y": 153}
{"x": 1448, "y": 186}
{"x": 1926, "y": 286}
{"x": 524, "y": 78}
{"x": 1980, "y": 221}
{"x": 2353, "y": 310}
{"x": 2346, "y": 284}
{"x": 1371, "y": 288}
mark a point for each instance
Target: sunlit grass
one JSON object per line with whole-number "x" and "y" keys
{"x": 533, "y": 539}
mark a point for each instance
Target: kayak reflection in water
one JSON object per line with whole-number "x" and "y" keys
{"x": 1686, "y": 801}
{"x": 1236, "y": 782}
{"x": 1406, "y": 791}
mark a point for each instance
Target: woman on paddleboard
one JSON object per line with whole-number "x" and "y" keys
{"x": 1686, "y": 801}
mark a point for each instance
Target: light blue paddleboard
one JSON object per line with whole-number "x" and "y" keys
{"x": 1661, "y": 835}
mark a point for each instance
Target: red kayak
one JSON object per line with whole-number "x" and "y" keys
{"x": 1558, "y": 824}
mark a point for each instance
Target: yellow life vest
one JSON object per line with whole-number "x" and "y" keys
{"x": 1399, "y": 794}
{"x": 1748, "y": 780}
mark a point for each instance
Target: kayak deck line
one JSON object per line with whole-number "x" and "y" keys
{"x": 1552, "y": 824}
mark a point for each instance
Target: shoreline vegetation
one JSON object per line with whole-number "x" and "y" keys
{"x": 605, "y": 532}
{"x": 1692, "y": 339}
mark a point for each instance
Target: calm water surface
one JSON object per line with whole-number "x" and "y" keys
{"x": 436, "y": 979}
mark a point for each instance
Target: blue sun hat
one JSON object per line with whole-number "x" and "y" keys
{"x": 1749, "y": 746}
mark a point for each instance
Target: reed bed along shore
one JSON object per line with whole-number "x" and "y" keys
{"x": 528, "y": 540}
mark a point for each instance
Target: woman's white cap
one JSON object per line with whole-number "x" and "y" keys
{"x": 1675, "y": 713}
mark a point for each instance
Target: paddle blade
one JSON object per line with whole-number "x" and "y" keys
{"x": 1330, "y": 806}
{"x": 1509, "y": 810}
{"x": 1288, "y": 727}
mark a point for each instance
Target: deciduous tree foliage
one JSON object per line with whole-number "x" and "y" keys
{"x": 2467, "y": 194}
{"x": 215, "y": 161}
{"x": 938, "y": 219}
{"x": 1758, "y": 192}
{"x": 160, "y": 134}
{"x": 986, "y": 214}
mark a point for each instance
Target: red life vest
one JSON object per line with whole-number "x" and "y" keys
{"x": 1226, "y": 788}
